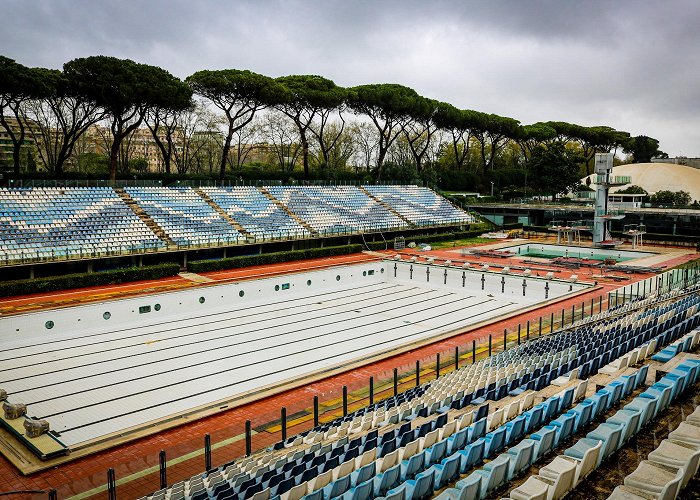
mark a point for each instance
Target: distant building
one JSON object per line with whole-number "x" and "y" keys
{"x": 6, "y": 147}
{"x": 652, "y": 177}
{"x": 680, "y": 160}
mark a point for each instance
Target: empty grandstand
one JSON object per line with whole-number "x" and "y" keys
{"x": 184, "y": 216}
{"x": 419, "y": 205}
{"x": 48, "y": 223}
{"x": 336, "y": 209}
{"x": 256, "y": 213}
{"x": 45, "y": 224}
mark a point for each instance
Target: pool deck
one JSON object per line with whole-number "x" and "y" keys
{"x": 136, "y": 463}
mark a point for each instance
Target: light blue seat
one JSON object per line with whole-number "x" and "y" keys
{"x": 336, "y": 488}
{"x": 600, "y": 400}
{"x": 363, "y": 474}
{"x": 468, "y": 488}
{"x": 666, "y": 354}
{"x": 398, "y": 493}
{"x": 565, "y": 427}
{"x": 495, "y": 441}
{"x": 412, "y": 466}
{"x": 436, "y": 453}
{"x": 472, "y": 455}
{"x": 676, "y": 380}
{"x": 567, "y": 399}
{"x": 679, "y": 379}
{"x": 521, "y": 457}
{"x": 515, "y": 429}
{"x": 362, "y": 491}
{"x": 581, "y": 448}
{"x": 660, "y": 392}
{"x": 477, "y": 430}
{"x": 610, "y": 435}
{"x": 647, "y": 406}
{"x": 471, "y": 485}
{"x": 641, "y": 376}
{"x": 447, "y": 471}
{"x": 454, "y": 494}
{"x": 493, "y": 475}
{"x": 693, "y": 369}
{"x": 629, "y": 419}
{"x": 314, "y": 495}
{"x": 384, "y": 481}
{"x": 544, "y": 440}
{"x": 615, "y": 388}
{"x": 551, "y": 406}
{"x": 584, "y": 414}
{"x": 421, "y": 487}
{"x": 629, "y": 382}
{"x": 534, "y": 417}
{"x": 457, "y": 441}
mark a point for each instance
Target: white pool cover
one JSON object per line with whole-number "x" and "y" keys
{"x": 100, "y": 369}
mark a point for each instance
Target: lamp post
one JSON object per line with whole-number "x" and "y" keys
{"x": 491, "y": 189}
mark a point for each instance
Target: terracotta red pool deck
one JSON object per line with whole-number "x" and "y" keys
{"x": 135, "y": 463}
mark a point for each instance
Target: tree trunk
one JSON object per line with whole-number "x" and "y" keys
{"x": 224, "y": 155}
{"x": 380, "y": 160}
{"x": 305, "y": 155}
{"x": 114, "y": 157}
{"x": 16, "y": 149}
{"x": 60, "y": 160}
{"x": 459, "y": 158}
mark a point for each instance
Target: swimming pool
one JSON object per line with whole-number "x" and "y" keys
{"x": 117, "y": 367}
{"x": 554, "y": 251}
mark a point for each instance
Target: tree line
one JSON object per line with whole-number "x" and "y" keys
{"x": 304, "y": 119}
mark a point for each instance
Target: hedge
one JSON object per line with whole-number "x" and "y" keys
{"x": 66, "y": 281}
{"x": 428, "y": 238}
{"x": 198, "y": 266}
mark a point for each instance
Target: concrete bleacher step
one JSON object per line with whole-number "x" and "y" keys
{"x": 152, "y": 225}
{"x": 286, "y": 209}
{"x": 222, "y": 212}
{"x": 387, "y": 206}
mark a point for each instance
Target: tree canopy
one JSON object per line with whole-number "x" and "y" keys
{"x": 18, "y": 85}
{"x": 643, "y": 149}
{"x": 46, "y": 114}
{"x": 304, "y": 99}
{"x": 556, "y": 168}
{"x": 239, "y": 94}
{"x": 389, "y": 106}
{"x": 126, "y": 90}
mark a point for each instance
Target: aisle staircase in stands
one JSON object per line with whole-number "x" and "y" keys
{"x": 222, "y": 212}
{"x": 386, "y": 205}
{"x": 152, "y": 225}
{"x": 294, "y": 216}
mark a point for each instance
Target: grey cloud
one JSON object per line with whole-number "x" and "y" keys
{"x": 630, "y": 64}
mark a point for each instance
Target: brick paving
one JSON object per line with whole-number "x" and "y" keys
{"x": 136, "y": 462}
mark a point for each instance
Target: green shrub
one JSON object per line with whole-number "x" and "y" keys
{"x": 429, "y": 238}
{"x": 198, "y": 266}
{"x": 66, "y": 281}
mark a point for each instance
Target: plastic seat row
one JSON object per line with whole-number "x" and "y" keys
{"x": 256, "y": 213}
{"x": 430, "y": 395}
{"x": 185, "y": 216}
{"x": 587, "y": 454}
{"x": 47, "y": 223}
{"x": 420, "y": 205}
{"x": 336, "y": 209}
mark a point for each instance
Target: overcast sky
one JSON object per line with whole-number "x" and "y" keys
{"x": 633, "y": 65}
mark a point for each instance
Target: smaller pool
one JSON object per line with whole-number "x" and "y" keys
{"x": 554, "y": 251}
